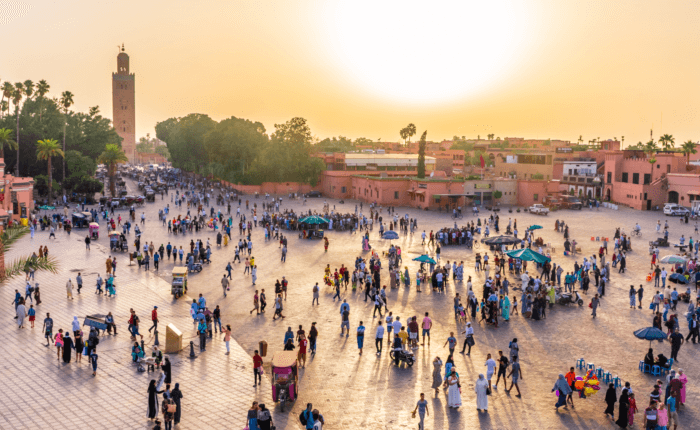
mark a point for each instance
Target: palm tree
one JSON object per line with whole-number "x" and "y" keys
{"x": 411, "y": 128}
{"x": 22, "y": 264}
{"x": 404, "y": 135}
{"x": 16, "y": 98}
{"x": 6, "y": 139}
{"x": 112, "y": 156}
{"x": 66, "y": 102}
{"x": 580, "y": 139}
{"x": 42, "y": 88}
{"x": 650, "y": 147}
{"x": 667, "y": 141}
{"x": 623, "y": 141}
{"x": 28, "y": 88}
{"x": 689, "y": 147}
{"x": 7, "y": 90}
{"x": 46, "y": 149}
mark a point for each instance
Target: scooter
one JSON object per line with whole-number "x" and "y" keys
{"x": 403, "y": 355}
{"x": 566, "y": 299}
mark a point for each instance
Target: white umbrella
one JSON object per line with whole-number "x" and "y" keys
{"x": 673, "y": 259}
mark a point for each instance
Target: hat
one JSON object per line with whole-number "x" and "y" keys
{"x": 155, "y": 307}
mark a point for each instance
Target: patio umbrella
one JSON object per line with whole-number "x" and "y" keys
{"x": 314, "y": 220}
{"x": 425, "y": 259}
{"x": 677, "y": 278}
{"x": 528, "y": 255}
{"x": 391, "y": 234}
{"x": 534, "y": 227}
{"x": 650, "y": 333}
{"x": 673, "y": 259}
{"x": 502, "y": 240}
{"x": 48, "y": 208}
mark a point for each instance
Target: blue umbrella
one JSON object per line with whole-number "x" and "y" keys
{"x": 391, "y": 234}
{"x": 534, "y": 227}
{"x": 425, "y": 259}
{"x": 677, "y": 278}
{"x": 313, "y": 220}
{"x": 527, "y": 254}
{"x": 650, "y": 333}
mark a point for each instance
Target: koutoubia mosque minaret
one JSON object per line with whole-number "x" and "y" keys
{"x": 123, "y": 104}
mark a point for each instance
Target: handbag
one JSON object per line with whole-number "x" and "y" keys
{"x": 470, "y": 341}
{"x": 172, "y": 408}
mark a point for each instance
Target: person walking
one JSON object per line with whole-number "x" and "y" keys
{"x": 177, "y": 396}
{"x": 257, "y": 368}
{"x": 516, "y": 373}
{"x": 316, "y": 294}
{"x": 481, "y": 388}
{"x": 48, "y": 329}
{"x": 379, "y": 337}
{"x": 610, "y": 400}
{"x": 21, "y": 313}
{"x": 225, "y": 283}
{"x": 676, "y": 342}
{"x": 437, "y": 376}
{"x": 93, "y": 361}
{"x": 564, "y": 390}
{"x": 154, "y": 319}
{"x": 595, "y": 302}
{"x": 502, "y": 367}
{"x": 421, "y": 407}
{"x": 79, "y": 281}
{"x": 469, "y": 338}
{"x": 69, "y": 289}
{"x": 360, "y": 336}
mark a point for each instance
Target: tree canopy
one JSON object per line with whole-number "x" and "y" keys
{"x": 239, "y": 150}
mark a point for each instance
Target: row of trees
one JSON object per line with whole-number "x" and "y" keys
{"x": 667, "y": 143}
{"x": 35, "y": 121}
{"x": 150, "y": 145}
{"x": 239, "y": 150}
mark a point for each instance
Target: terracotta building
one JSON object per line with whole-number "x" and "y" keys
{"x": 16, "y": 196}
{"x": 123, "y": 105}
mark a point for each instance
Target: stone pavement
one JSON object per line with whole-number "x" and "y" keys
{"x": 351, "y": 391}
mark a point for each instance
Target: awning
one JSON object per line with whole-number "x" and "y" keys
{"x": 694, "y": 192}
{"x": 454, "y": 195}
{"x": 421, "y": 192}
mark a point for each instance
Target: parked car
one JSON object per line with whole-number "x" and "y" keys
{"x": 538, "y": 209}
{"x": 675, "y": 210}
{"x": 571, "y": 202}
{"x": 313, "y": 194}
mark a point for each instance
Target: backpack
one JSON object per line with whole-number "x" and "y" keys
{"x": 315, "y": 289}
{"x": 302, "y": 418}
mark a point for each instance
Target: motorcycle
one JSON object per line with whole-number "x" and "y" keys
{"x": 566, "y": 299}
{"x": 403, "y": 356}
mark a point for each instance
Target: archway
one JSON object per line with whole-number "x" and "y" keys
{"x": 673, "y": 197}
{"x": 607, "y": 194}
{"x": 590, "y": 194}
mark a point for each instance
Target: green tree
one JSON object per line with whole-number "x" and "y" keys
{"x": 7, "y": 91}
{"x": 667, "y": 141}
{"x": 111, "y": 157}
{"x": 42, "y": 88}
{"x": 689, "y": 147}
{"x": 16, "y": 99}
{"x": 185, "y": 138}
{"x": 411, "y": 129}
{"x": 404, "y": 135}
{"x": 650, "y": 147}
{"x": 163, "y": 150}
{"x": 22, "y": 264}
{"x": 79, "y": 165}
{"x": 46, "y": 149}
{"x": 6, "y": 140}
{"x": 66, "y": 102}
{"x": 421, "y": 155}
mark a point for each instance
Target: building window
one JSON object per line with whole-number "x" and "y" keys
{"x": 535, "y": 197}
{"x": 624, "y": 177}
{"x": 647, "y": 179}
{"x": 396, "y": 194}
{"x": 635, "y": 178}
{"x": 609, "y": 177}
{"x": 343, "y": 189}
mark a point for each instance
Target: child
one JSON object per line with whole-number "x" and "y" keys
{"x": 632, "y": 410}
{"x": 662, "y": 420}
{"x": 515, "y": 305}
{"x": 32, "y": 314}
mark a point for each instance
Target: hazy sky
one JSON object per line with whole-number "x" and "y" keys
{"x": 537, "y": 69}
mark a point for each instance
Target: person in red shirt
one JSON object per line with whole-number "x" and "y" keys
{"x": 301, "y": 355}
{"x": 257, "y": 368}
{"x": 571, "y": 379}
{"x": 154, "y": 318}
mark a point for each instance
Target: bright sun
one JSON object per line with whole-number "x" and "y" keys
{"x": 426, "y": 51}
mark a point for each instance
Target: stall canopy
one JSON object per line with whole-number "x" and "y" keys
{"x": 528, "y": 255}
{"x": 314, "y": 220}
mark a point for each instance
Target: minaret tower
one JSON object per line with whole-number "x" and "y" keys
{"x": 123, "y": 104}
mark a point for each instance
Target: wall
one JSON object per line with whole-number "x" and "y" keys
{"x": 686, "y": 185}
{"x": 531, "y": 192}
{"x": 273, "y": 188}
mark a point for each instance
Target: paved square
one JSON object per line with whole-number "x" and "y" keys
{"x": 351, "y": 391}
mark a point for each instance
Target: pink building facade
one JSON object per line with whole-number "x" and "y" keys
{"x": 16, "y": 196}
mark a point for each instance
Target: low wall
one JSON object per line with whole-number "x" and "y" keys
{"x": 273, "y": 188}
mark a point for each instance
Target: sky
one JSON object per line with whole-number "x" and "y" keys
{"x": 534, "y": 69}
